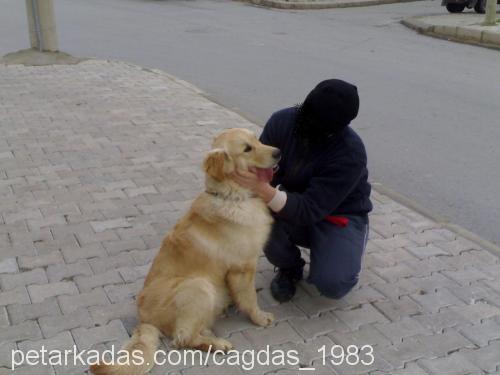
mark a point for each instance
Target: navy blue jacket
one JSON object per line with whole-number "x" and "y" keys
{"x": 331, "y": 179}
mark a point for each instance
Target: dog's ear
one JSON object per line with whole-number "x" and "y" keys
{"x": 214, "y": 163}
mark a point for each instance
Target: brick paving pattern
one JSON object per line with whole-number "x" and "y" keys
{"x": 99, "y": 159}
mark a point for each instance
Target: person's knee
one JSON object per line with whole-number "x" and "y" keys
{"x": 334, "y": 287}
{"x": 284, "y": 256}
{"x": 276, "y": 251}
{"x": 274, "y": 254}
{"x": 279, "y": 249}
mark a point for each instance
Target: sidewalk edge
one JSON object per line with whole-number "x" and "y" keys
{"x": 204, "y": 94}
{"x": 453, "y": 33}
{"x": 440, "y": 220}
{"x": 304, "y": 5}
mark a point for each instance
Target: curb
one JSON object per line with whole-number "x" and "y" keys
{"x": 440, "y": 220}
{"x": 301, "y": 5}
{"x": 201, "y": 93}
{"x": 399, "y": 198}
{"x": 467, "y": 35}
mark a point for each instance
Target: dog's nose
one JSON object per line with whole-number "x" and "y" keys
{"x": 277, "y": 154}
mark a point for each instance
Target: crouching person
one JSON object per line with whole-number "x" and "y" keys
{"x": 320, "y": 195}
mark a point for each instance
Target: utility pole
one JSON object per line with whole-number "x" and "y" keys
{"x": 42, "y": 25}
{"x": 491, "y": 13}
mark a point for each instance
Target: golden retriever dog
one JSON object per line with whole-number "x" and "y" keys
{"x": 208, "y": 261}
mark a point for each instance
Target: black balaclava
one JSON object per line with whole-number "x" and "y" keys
{"x": 327, "y": 110}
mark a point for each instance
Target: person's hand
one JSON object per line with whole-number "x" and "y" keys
{"x": 247, "y": 179}
{"x": 250, "y": 181}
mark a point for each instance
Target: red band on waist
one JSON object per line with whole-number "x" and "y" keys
{"x": 341, "y": 221}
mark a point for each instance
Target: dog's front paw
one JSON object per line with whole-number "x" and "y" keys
{"x": 221, "y": 344}
{"x": 262, "y": 318}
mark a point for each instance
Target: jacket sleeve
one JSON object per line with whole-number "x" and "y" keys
{"x": 268, "y": 135}
{"x": 325, "y": 192}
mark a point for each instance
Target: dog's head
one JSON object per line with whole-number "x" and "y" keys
{"x": 239, "y": 149}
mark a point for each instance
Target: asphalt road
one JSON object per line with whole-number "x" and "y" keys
{"x": 430, "y": 108}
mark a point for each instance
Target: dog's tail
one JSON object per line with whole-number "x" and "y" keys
{"x": 141, "y": 348}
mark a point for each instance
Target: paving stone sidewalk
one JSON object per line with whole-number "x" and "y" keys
{"x": 99, "y": 159}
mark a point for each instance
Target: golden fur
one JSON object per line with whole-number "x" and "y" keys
{"x": 208, "y": 260}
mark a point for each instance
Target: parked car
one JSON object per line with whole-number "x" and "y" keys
{"x": 457, "y": 6}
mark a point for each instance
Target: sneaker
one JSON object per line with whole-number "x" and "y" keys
{"x": 283, "y": 286}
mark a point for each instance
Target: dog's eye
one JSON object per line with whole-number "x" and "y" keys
{"x": 248, "y": 148}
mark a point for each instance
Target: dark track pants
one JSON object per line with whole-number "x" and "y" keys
{"x": 335, "y": 252}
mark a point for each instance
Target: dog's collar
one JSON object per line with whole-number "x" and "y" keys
{"x": 225, "y": 197}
